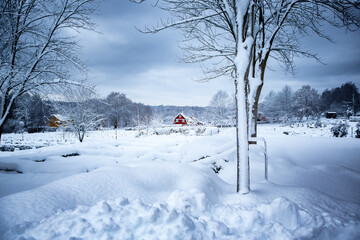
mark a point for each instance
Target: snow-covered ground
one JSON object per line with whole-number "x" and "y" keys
{"x": 163, "y": 186}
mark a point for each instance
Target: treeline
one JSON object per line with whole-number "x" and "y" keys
{"x": 308, "y": 102}
{"x": 32, "y": 114}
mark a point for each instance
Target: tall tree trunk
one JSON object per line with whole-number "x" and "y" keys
{"x": 237, "y": 137}
{"x": 2, "y": 125}
{"x": 255, "y": 111}
{"x": 1, "y": 130}
{"x": 242, "y": 62}
{"x": 242, "y": 143}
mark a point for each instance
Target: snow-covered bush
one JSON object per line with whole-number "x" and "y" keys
{"x": 318, "y": 124}
{"x": 357, "y": 131}
{"x": 216, "y": 168}
{"x": 340, "y": 129}
{"x": 187, "y": 131}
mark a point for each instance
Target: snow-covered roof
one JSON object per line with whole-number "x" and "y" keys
{"x": 60, "y": 117}
{"x": 181, "y": 115}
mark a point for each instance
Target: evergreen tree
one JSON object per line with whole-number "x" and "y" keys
{"x": 344, "y": 99}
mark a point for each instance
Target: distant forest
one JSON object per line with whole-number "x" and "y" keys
{"x": 307, "y": 102}
{"x": 32, "y": 113}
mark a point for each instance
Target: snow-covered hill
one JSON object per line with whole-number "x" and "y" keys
{"x": 163, "y": 187}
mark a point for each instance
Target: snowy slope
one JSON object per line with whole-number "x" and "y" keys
{"x": 163, "y": 187}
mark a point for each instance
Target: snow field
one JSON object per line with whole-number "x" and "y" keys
{"x": 163, "y": 187}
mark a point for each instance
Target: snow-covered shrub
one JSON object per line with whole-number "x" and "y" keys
{"x": 318, "y": 124}
{"x": 7, "y": 148}
{"x": 200, "y": 131}
{"x": 216, "y": 168}
{"x": 142, "y": 133}
{"x": 340, "y": 129}
{"x": 357, "y": 131}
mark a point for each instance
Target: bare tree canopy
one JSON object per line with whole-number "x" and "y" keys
{"x": 78, "y": 110}
{"x": 220, "y": 105}
{"x": 37, "y": 45}
{"x": 238, "y": 37}
{"x": 119, "y": 107}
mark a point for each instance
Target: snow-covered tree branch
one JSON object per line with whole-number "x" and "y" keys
{"x": 238, "y": 38}
{"x": 37, "y": 45}
{"x": 77, "y": 110}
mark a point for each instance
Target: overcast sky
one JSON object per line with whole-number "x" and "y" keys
{"x": 145, "y": 66}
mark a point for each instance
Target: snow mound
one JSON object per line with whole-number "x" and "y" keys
{"x": 185, "y": 215}
{"x": 149, "y": 181}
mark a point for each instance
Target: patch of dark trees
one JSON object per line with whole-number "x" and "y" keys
{"x": 343, "y": 101}
{"x": 32, "y": 113}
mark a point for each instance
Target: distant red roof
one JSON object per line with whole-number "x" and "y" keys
{"x": 180, "y": 119}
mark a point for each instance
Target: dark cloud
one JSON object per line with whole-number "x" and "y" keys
{"x": 145, "y": 67}
{"x": 341, "y": 60}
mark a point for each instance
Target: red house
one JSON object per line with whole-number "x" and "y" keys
{"x": 180, "y": 119}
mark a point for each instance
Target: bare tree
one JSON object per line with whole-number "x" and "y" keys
{"x": 37, "y": 45}
{"x": 279, "y": 105}
{"x": 269, "y": 106}
{"x": 220, "y": 105}
{"x": 285, "y": 99}
{"x": 307, "y": 102}
{"x": 119, "y": 107}
{"x": 142, "y": 116}
{"x": 119, "y": 110}
{"x": 239, "y": 36}
{"x": 77, "y": 110}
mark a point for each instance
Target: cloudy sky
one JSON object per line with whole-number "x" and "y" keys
{"x": 145, "y": 66}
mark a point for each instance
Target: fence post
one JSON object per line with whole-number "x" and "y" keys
{"x": 256, "y": 139}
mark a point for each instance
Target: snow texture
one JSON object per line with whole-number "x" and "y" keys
{"x": 163, "y": 187}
